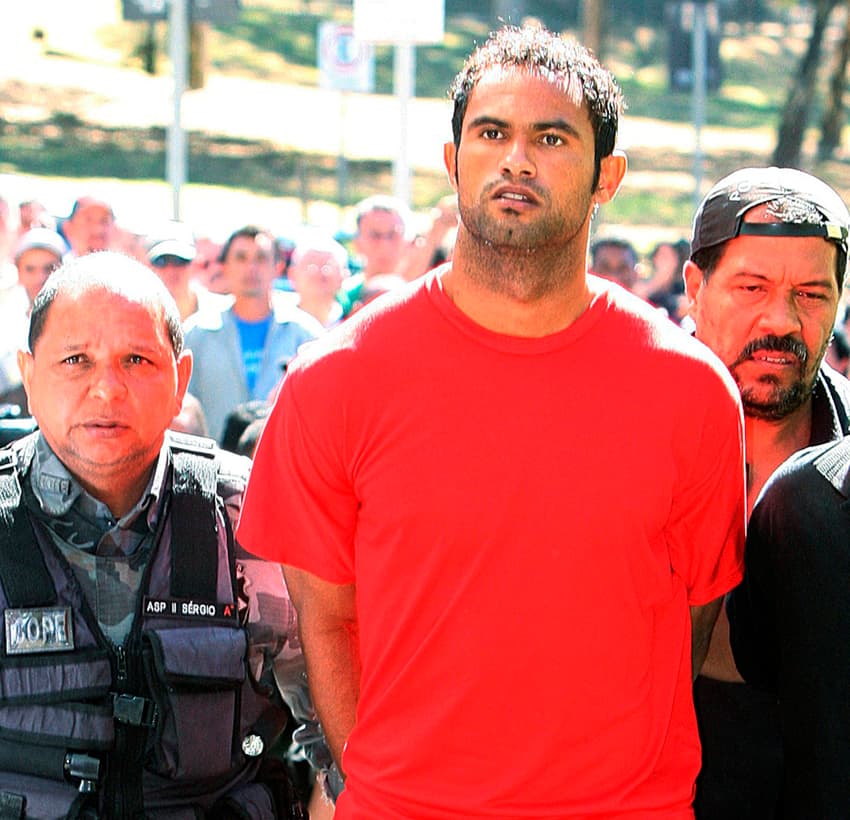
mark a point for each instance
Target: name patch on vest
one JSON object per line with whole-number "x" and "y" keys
{"x": 47, "y": 629}
{"x": 180, "y": 608}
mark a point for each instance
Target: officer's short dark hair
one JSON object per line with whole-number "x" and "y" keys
{"x": 114, "y": 272}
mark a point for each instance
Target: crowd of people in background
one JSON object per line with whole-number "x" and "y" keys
{"x": 248, "y": 301}
{"x": 301, "y": 281}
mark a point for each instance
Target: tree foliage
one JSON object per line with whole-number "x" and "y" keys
{"x": 834, "y": 111}
{"x": 798, "y": 104}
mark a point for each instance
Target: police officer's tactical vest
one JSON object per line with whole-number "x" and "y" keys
{"x": 168, "y": 726}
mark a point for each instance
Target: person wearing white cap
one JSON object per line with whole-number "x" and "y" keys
{"x": 170, "y": 254}
{"x": 37, "y": 254}
{"x": 767, "y": 266}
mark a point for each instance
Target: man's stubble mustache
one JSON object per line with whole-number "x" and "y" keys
{"x": 778, "y": 344}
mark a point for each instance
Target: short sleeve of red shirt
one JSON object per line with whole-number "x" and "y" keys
{"x": 707, "y": 558}
{"x": 320, "y": 499}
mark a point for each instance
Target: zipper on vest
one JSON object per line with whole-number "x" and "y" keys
{"x": 123, "y": 797}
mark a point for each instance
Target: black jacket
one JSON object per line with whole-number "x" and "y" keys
{"x": 790, "y": 617}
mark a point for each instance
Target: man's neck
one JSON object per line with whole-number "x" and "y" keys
{"x": 187, "y": 301}
{"x": 769, "y": 443}
{"x": 121, "y": 495}
{"x": 371, "y": 273}
{"x": 516, "y": 292}
{"x": 253, "y": 308}
{"x": 320, "y": 308}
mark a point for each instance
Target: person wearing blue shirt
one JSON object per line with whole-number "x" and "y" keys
{"x": 241, "y": 352}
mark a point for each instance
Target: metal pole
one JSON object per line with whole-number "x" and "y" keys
{"x": 699, "y": 56}
{"x": 341, "y": 159}
{"x": 178, "y": 39}
{"x": 403, "y": 68}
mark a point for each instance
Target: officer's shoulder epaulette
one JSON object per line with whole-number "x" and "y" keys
{"x": 17, "y": 455}
{"x": 232, "y": 469}
{"x": 188, "y": 443}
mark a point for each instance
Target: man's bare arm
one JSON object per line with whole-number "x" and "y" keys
{"x": 327, "y": 623}
{"x": 702, "y": 624}
{"x": 719, "y": 662}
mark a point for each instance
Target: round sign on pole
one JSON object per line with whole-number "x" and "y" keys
{"x": 345, "y": 63}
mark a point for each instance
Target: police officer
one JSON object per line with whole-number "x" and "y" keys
{"x": 144, "y": 655}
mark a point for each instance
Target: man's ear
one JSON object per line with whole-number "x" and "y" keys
{"x": 450, "y": 160}
{"x": 694, "y": 283}
{"x": 184, "y": 373}
{"x": 25, "y": 365}
{"x": 612, "y": 169}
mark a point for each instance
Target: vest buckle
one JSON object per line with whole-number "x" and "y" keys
{"x": 135, "y": 710}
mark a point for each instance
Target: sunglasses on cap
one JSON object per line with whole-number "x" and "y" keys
{"x": 169, "y": 260}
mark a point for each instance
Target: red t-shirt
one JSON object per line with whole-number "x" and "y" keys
{"x": 527, "y": 522}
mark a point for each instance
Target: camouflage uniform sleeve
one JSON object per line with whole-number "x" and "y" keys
{"x": 274, "y": 649}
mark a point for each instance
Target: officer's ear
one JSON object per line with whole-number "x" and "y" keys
{"x": 25, "y": 365}
{"x": 184, "y": 373}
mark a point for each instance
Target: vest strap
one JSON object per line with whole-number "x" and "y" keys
{"x": 194, "y": 530}
{"x": 23, "y": 573}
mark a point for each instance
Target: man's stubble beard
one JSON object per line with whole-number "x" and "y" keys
{"x": 780, "y": 401}
{"x": 527, "y": 261}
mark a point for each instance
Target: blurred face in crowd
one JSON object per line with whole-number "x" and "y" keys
{"x": 34, "y": 266}
{"x": 665, "y": 262}
{"x": 90, "y": 229}
{"x": 205, "y": 266}
{"x": 249, "y": 267}
{"x": 173, "y": 270}
{"x": 381, "y": 242}
{"x": 4, "y": 220}
{"x": 617, "y": 264}
{"x": 316, "y": 275}
{"x": 30, "y": 215}
{"x": 767, "y": 311}
{"x": 104, "y": 383}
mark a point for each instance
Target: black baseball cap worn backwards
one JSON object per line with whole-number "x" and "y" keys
{"x": 720, "y": 216}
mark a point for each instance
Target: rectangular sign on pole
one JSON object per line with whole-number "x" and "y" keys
{"x": 395, "y": 22}
{"x": 200, "y": 11}
{"x": 402, "y": 25}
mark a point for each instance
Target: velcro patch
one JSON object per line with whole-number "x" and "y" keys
{"x": 46, "y": 629}
{"x": 12, "y": 805}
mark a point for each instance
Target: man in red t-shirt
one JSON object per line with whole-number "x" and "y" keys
{"x": 507, "y": 538}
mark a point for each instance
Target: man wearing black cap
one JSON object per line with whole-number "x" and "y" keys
{"x": 768, "y": 259}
